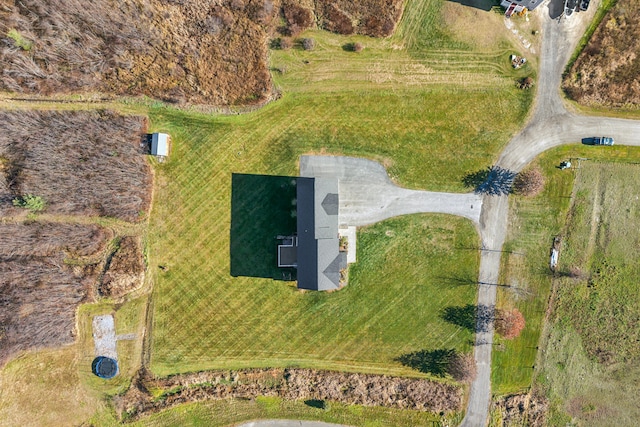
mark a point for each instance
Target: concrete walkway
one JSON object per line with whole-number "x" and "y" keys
{"x": 104, "y": 336}
{"x": 367, "y": 195}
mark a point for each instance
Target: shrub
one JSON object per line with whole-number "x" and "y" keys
{"x": 19, "y": 40}
{"x": 529, "y": 183}
{"x": 30, "y": 202}
{"x": 298, "y": 18}
{"x": 281, "y": 43}
{"x": 308, "y": 43}
{"x": 285, "y": 43}
{"x": 353, "y": 47}
{"x": 525, "y": 83}
{"x": 509, "y": 323}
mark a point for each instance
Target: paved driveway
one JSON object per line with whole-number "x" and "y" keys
{"x": 367, "y": 195}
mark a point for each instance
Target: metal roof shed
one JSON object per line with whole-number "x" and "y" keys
{"x": 160, "y": 144}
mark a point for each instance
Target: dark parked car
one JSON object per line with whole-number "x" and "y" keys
{"x": 598, "y": 140}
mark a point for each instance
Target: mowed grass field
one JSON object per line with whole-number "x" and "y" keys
{"x": 428, "y": 131}
{"x": 592, "y": 362}
{"x": 534, "y": 222}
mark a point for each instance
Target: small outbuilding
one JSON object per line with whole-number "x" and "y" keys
{"x": 160, "y": 145}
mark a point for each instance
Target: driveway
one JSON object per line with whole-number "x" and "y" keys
{"x": 367, "y": 195}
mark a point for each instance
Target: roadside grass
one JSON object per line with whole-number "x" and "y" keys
{"x": 231, "y": 412}
{"x": 525, "y": 265}
{"x": 590, "y": 368}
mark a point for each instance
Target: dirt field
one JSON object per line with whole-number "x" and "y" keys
{"x": 292, "y": 384}
{"x": 46, "y": 271}
{"x": 188, "y": 51}
{"x": 607, "y": 72}
{"x": 80, "y": 163}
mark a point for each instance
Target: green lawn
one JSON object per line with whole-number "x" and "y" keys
{"x": 430, "y": 118}
{"x": 533, "y": 225}
{"x": 407, "y": 273}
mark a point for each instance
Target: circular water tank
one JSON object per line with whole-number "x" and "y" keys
{"x": 104, "y": 367}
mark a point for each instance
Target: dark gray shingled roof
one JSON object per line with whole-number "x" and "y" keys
{"x": 319, "y": 258}
{"x": 529, "y": 4}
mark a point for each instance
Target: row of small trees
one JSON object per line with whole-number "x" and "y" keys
{"x": 497, "y": 181}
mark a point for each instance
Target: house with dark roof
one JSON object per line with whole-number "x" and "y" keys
{"x": 517, "y": 6}
{"x": 315, "y": 250}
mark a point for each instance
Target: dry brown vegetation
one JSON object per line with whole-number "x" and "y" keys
{"x": 46, "y": 271}
{"x": 295, "y": 384}
{"x": 88, "y": 163}
{"x": 376, "y": 18}
{"x": 181, "y": 51}
{"x": 522, "y": 410}
{"x": 80, "y": 163}
{"x": 607, "y": 72}
{"x": 124, "y": 269}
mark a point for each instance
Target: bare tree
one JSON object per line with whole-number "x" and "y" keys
{"x": 509, "y": 323}
{"x": 462, "y": 367}
{"x": 529, "y": 183}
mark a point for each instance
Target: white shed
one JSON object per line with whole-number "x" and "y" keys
{"x": 160, "y": 144}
